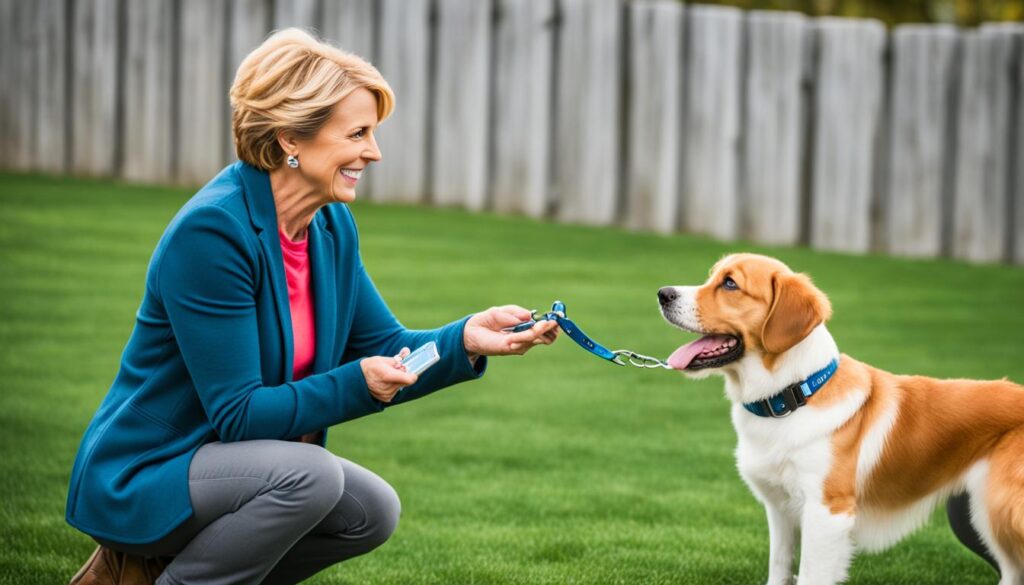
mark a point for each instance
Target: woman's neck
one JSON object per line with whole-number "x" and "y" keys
{"x": 296, "y": 202}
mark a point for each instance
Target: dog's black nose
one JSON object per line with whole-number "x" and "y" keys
{"x": 667, "y": 294}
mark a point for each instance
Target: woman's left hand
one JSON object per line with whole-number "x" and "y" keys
{"x": 483, "y": 333}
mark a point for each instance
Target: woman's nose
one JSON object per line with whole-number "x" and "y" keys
{"x": 373, "y": 151}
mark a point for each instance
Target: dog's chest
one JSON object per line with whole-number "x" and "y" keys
{"x": 782, "y": 461}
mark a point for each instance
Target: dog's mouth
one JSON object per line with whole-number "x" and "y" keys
{"x": 710, "y": 351}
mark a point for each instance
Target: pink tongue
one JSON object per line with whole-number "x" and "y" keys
{"x": 682, "y": 357}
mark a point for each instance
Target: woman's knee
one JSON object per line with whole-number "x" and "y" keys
{"x": 388, "y": 511}
{"x": 370, "y": 509}
{"x": 312, "y": 476}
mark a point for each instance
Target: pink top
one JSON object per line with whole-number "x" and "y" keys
{"x": 300, "y": 299}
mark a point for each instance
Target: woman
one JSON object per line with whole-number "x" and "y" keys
{"x": 259, "y": 328}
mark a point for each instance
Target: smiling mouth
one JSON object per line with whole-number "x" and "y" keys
{"x": 352, "y": 174}
{"x": 710, "y": 351}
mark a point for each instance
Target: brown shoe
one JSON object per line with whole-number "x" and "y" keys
{"x": 109, "y": 567}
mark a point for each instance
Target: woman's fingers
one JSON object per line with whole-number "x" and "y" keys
{"x": 385, "y": 376}
{"x": 516, "y": 311}
{"x": 523, "y": 337}
{"x": 544, "y": 332}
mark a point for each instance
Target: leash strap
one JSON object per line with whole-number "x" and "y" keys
{"x": 619, "y": 357}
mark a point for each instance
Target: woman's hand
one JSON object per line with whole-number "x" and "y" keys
{"x": 483, "y": 333}
{"x": 385, "y": 376}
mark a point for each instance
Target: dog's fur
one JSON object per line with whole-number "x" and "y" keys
{"x": 869, "y": 457}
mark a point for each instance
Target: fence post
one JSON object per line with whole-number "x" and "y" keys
{"x": 919, "y": 132}
{"x": 654, "y": 78}
{"x": 521, "y": 135}
{"x": 1018, "y": 184}
{"x": 148, "y": 105}
{"x": 23, "y": 87}
{"x": 249, "y": 27}
{"x": 772, "y": 164}
{"x": 983, "y": 172}
{"x": 350, "y": 24}
{"x": 711, "y": 121}
{"x": 847, "y": 113}
{"x": 461, "y": 100}
{"x": 51, "y": 110}
{"x": 298, "y": 13}
{"x": 404, "y": 60}
{"x": 10, "y": 54}
{"x": 202, "y": 90}
{"x": 94, "y": 102}
{"x": 587, "y": 116}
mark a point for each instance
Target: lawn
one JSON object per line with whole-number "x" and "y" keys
{"x": 556, "y": 467}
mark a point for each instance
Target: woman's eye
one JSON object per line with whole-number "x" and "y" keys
{"x": 730, "y": 284}
{"x": 359, "y": 133}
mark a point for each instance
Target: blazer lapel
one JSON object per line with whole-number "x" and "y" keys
{"x": 325, "y": 302}
{"x": 263, "y": 215}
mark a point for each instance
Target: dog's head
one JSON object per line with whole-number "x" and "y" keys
{"x": 751, "y": 305}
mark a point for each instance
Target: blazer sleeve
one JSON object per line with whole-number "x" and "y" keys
{"x": 207, "y": 280}
{"x": 376, "y": 331}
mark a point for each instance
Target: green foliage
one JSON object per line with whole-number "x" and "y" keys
{"x": 555, "y": 467}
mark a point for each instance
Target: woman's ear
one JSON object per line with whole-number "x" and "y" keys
{"x": 286, "y": 140}
{"x": 797, "y": 308}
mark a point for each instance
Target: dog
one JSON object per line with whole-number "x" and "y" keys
{"x": 848, "y": 455}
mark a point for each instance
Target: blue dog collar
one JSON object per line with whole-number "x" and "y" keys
{"x": 793, "y": 396}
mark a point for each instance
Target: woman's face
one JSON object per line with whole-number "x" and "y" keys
{"x": 334, "y": 159}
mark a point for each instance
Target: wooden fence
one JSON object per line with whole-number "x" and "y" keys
{"x": 765, "y": 126}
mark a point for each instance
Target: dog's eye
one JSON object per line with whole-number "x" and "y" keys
{"x": 730, "y": 284}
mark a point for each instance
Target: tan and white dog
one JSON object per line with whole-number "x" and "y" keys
{"x": 868, "y": 457}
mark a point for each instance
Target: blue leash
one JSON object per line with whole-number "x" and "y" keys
{"x": 620, "y": 357}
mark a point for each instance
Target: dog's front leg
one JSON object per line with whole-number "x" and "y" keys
{"x": 826, "y": 546}
{"x": 782, "y": 538}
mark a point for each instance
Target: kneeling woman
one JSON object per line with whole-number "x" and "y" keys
{"x": 259, "y": 328}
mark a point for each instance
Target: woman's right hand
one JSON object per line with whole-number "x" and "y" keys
{"x": 385, "y": 376}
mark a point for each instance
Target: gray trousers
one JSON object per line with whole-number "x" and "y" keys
{"x": 272, "y": 512}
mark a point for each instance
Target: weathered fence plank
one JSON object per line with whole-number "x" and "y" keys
{"x": 404, "y": 62}
{"x": 1018, "y": 185}
{"x": 654, "y": 78}
{"x": 148, "y": 105}
{"x": 772, "y": 167}
{"x": 711, "y": 121}
{"x": 919, "y": 151}
{"x": 847, "y": 115}
{"x": 587, "y": 116}
{"x": 350, "y": 24}
{"x": 23, "y": 88}
{"x": 249, "y": 26}
{"x": 298, "y": 13}
{"x": 94, "y": 105}
{"x": 202, "y": 92}
{"x": 9, "y": 55}
{"x": 981, "y": 204}
{"x": 461, "y": 100}
{"x": 523, "y": 61}
{"x": 51, "y": 110}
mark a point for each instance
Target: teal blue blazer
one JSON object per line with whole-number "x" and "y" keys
{"x": 210, "y": 357}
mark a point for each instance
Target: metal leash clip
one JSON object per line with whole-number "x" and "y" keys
{"x": 639, "y": 360}
{"x": 619, "y": 357}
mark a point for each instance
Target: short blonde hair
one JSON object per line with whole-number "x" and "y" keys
{"x": 291, "y": 82}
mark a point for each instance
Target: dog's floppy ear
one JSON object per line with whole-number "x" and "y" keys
{"x": 797, "y": 308}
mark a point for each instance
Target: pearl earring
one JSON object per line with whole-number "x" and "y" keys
{"x": 293, "y": 161}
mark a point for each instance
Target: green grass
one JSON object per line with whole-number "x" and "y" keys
{"x": 555, "y": 467}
